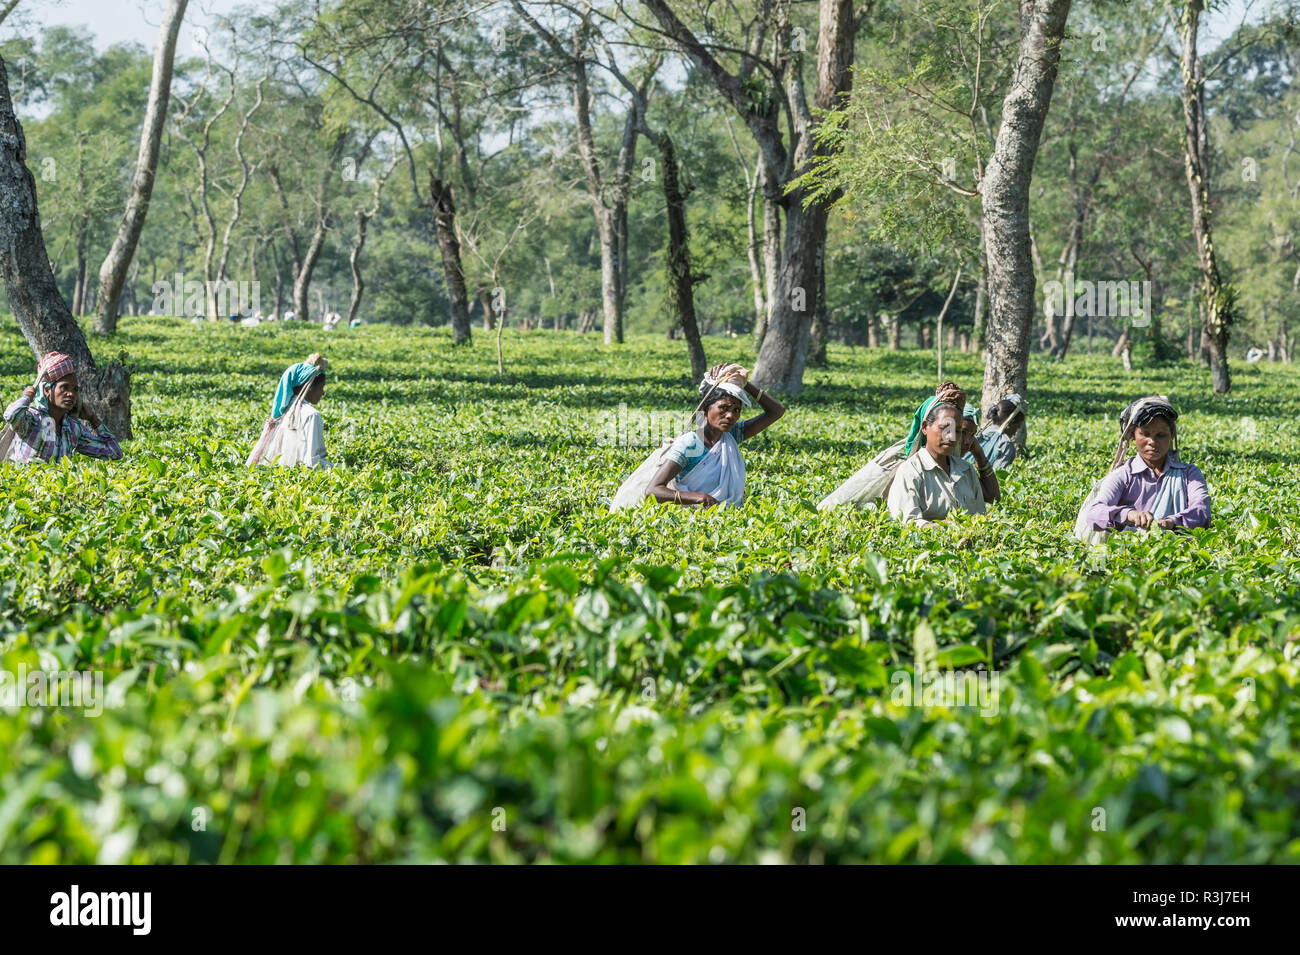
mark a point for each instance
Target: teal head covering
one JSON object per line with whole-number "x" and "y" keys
{"x": 295, "y": 376}
{"x": 915, "y": 433}
{"x": 948, "y": 392}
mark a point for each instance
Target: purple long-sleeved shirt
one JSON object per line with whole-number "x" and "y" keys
{"x": 1135, "y": 486}
{"x": 37, "y": 436}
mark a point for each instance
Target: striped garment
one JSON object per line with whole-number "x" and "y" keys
{"x": 36, "y": 435}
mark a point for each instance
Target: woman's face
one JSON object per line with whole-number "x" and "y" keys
{"x": 968, "y": 430}
{"x": 316, "y": 390}
{"x": 1153, "y": 442}
{"x": 63, "y": 393}
{"x": 723, "y": 414}
{"x": 943, "y": 433}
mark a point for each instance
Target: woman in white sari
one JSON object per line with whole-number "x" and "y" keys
{"x": 295, "y": 432}
{"x": 704, "y": 467}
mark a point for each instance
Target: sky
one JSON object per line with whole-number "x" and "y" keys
{"x": 114, "y": 21}
{"x": 117, "y": 21}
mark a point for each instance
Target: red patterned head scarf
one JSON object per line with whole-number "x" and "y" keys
{"x": 54, "y": 366}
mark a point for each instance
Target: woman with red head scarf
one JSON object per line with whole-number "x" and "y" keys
{"x": 49, "y": 423}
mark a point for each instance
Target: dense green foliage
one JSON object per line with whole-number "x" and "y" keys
{"x": 381, "y": 662}
{"x": 524, "y": 213}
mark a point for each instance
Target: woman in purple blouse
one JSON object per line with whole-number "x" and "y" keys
{"x": 1154, "y": 487}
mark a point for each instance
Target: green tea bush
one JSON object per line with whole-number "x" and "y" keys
{"x": 449, "y": 650}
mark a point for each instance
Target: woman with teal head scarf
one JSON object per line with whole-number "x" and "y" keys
{"x": 295, "y": 432}
{"x": 874, "y": 480}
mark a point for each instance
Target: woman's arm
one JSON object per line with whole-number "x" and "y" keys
{"x": 906, "y": 497}
{"x": 987, "y": 476}
{"x": 20, "y": 415}
{"x": 662, "y": 493}
{"x": 772, "y": 410}
{"x": 1108, "y": 510}
{"x": 1197, "y": 511}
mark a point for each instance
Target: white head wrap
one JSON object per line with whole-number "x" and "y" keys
{"x": 729, "y": 387}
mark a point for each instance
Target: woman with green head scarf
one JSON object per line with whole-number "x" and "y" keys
{"x": 873, "y": 481}
{"x": 295, "y": 432}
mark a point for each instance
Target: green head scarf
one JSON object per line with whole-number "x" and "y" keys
{"x": 915, "y": 433}
{"x": 294, "y": 376}
{"x": 958, "y": 400}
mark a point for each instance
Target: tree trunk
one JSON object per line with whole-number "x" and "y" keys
{"x": 873, "y": 330}
{"x": 354, "y": 262}
{"x": 291, "y": 237}
{"x": 965, "y": 342}
{"x": 113, "y": 272}
{"x": 79, "y": 291}
{"x": 279, "y": 280}
{"x": 302, "y": 281}
{"x": 1219, "y": 296}
{"x": 444, "y": 220}
{"x": 771, "y": 261}
{"x": 821, "y": 321}
{"x": 1071, "y": 263}
{"x": 755, "y": 266}
{"x": 979, "y": 328}
{"x": 781, "y": 358}
{"x": 305, "y": 268}
{"x": 952, "y": 336}
{"x": 1122, "y": 345}
{"x": 485, "y": 302}
{"x": 1006, "y": 199}
{"x": 895, "y": 333}
{"x": 40, "y": 310}
{"x": 681, "y": 282}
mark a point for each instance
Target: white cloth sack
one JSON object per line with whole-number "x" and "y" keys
{"x": 868, "y": 483}
{"x": 632, "y": 491}
{"x": 720, "y": 473}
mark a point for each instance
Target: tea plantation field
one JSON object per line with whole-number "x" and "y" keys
{"x": 450, "y": 650}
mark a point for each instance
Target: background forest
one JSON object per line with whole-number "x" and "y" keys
{"x": 313, "y": 137}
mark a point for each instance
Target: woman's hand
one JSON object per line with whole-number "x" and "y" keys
{"x": 1167, "y": 523}
{"x": 707, "y": 500}
{"x": 726, "y": 371}
{"x": 29, "y": 392}
{"x": 1138, "y": 518}
{"x": 89, "y": 417}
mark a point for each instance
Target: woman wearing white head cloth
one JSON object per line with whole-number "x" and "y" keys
{"x": 704, "y": 467}
{"x": 1155, "y": 486}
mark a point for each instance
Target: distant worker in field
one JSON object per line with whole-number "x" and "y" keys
{"x": 1154, "y": 488}
{"x": 997, "y": 439}
{"x": 935, "y": 480}
{"x": 703, "y": 467}
{"x": 872, "y": 481}
{"x": 295, "y": 432}
{"x": 48, "y": 422}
